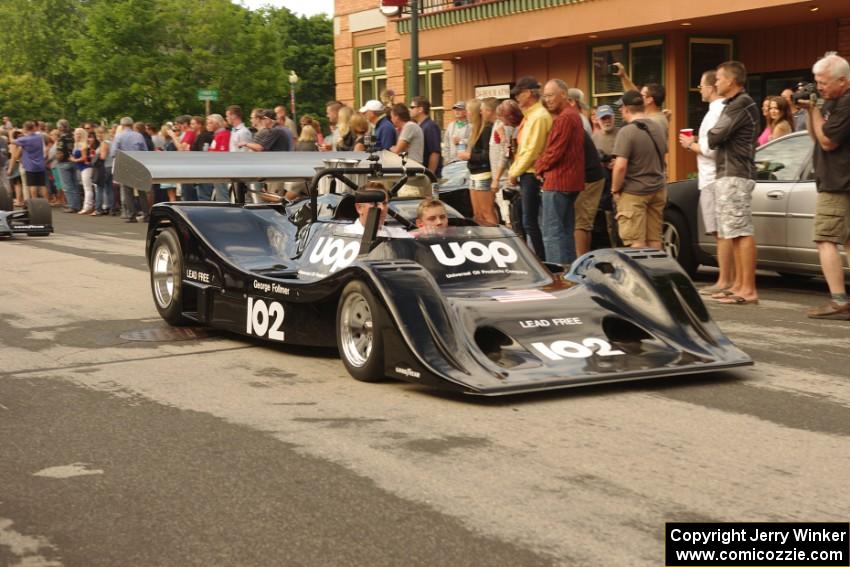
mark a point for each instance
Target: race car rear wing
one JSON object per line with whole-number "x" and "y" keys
{"x": 141, "y": 170}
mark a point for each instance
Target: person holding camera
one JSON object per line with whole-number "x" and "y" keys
{"x": 829, "y": 126}
{"x": 653, "y": 96}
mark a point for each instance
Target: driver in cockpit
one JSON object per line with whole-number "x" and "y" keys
{"x": 431, "y": 214}
{"x": 358, "y": 227}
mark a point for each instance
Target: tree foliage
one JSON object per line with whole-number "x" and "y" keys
{"x": 101, "y": 59}
{"x": 23, "y": 97}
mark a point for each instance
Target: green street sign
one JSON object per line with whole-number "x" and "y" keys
{"x": 208, "y": 94}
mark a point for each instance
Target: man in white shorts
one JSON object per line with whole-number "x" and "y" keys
{"x": 707, "y": 174}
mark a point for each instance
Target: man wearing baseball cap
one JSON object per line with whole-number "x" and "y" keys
{"x": 639, "y": 184}
{"x": 531, "y": 140}
{"x": 376, "y": 114}
{"x": 604, "y": 138}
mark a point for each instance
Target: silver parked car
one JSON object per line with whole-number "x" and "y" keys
{"x": 783, "y": 213}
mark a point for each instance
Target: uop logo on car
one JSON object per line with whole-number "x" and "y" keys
{"x": 334, "y": 252}
{"x": 477, "y": 252}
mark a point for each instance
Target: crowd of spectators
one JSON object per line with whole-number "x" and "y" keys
{"x": 541, "y": 162}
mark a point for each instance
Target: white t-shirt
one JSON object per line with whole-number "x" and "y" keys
{"x": 357, "y": 229}
{"x": 240, "y": 133}
{"x": 705, "y": 159}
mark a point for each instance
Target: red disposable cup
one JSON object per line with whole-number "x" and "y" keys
{"x": 689, "y": 132}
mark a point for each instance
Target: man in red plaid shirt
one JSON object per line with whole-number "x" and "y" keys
{"x": 561, "y": 168}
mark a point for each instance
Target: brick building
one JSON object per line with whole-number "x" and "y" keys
{"x": 469, "y": 47}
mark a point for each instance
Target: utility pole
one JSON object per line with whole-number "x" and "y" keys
{"x": 414, "y": 49}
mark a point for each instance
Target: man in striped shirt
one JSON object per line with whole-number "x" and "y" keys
{"x": 561, "y": 168}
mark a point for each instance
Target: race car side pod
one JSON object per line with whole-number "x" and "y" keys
{"x": 375, "y": 170}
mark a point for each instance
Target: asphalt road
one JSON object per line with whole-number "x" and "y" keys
{"x": 220, "y": 451}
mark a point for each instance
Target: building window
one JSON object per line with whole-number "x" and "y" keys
{"x": 430, "y": 85}
{"x": 704, "y": 54}
{"x": 605, "y": 86}
{"x": 643, "y": 60}
{"x": 370, "y": 73}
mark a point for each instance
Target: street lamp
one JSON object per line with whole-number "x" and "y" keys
{"x": 391, "y": 8}
{"x": 293, "y": 80}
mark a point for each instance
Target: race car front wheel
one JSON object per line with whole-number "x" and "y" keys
{"x": 358, "y": 335}
{"x": 39, "y": 214}
{"x": 167, "y": 277}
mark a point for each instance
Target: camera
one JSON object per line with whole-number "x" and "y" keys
{"x": 805, "y": 91}
{"x": 612, "y": 69}
{"x": 369, "y": 141}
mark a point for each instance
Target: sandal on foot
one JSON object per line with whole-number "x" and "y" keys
{"x": 712, "y": 289}
{"x": 737, "y": 300}
{"x": 721, "y": 294}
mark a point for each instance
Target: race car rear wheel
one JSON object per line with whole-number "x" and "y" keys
{"x": 360, "y": 343}
{"x": 5, "y": 199}
{"x": 167, "y": 277}
{"x": 39, "y": 213}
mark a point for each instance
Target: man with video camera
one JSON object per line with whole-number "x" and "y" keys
{"x": 830, "y": 128}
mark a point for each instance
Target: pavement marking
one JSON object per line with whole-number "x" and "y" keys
{"x": 27, "y": 548}
{"x": 68, "y": 471}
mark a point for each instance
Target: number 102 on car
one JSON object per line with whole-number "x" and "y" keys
{"x": 264, "y": 319}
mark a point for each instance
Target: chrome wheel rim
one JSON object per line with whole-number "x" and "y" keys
{"x": 163, "y": 276}
{"x": 356, "y": 329}
{"x": 670, "y": 240}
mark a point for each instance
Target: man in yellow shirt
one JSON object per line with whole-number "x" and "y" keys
{"x": 531, "y": 141}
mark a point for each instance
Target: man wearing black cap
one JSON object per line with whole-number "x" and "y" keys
{"x": 653, "y": 96}
{"x": 638, "y": 181}
{"x": 531, "y": 140}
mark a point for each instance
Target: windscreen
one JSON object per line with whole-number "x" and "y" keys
{"x": 471, "y": 257}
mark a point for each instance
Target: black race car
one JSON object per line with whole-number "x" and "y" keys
{"x": 468, "y": 308}
{"x": 35, "y": 219}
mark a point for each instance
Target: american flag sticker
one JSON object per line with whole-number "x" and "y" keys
{"x": 513, "y": 296}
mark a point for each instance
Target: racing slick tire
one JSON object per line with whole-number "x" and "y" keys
{"x": 676, "y": 241}
{"x": 5, "y": 199}
{"x": 358, "y": 336}
{"x": 167, "y": 278}
{"x": 39, "y": 212}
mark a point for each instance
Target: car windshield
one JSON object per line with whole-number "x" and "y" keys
{"x": 471, "y": 257}
{"x": 783, "y": 159}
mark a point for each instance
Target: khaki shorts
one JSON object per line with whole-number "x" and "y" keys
{"x": 641, "y": 217}
{"x": 733, "y": 202}
{"x": 832, "y": 218}
{"x": 587, "y": 203}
